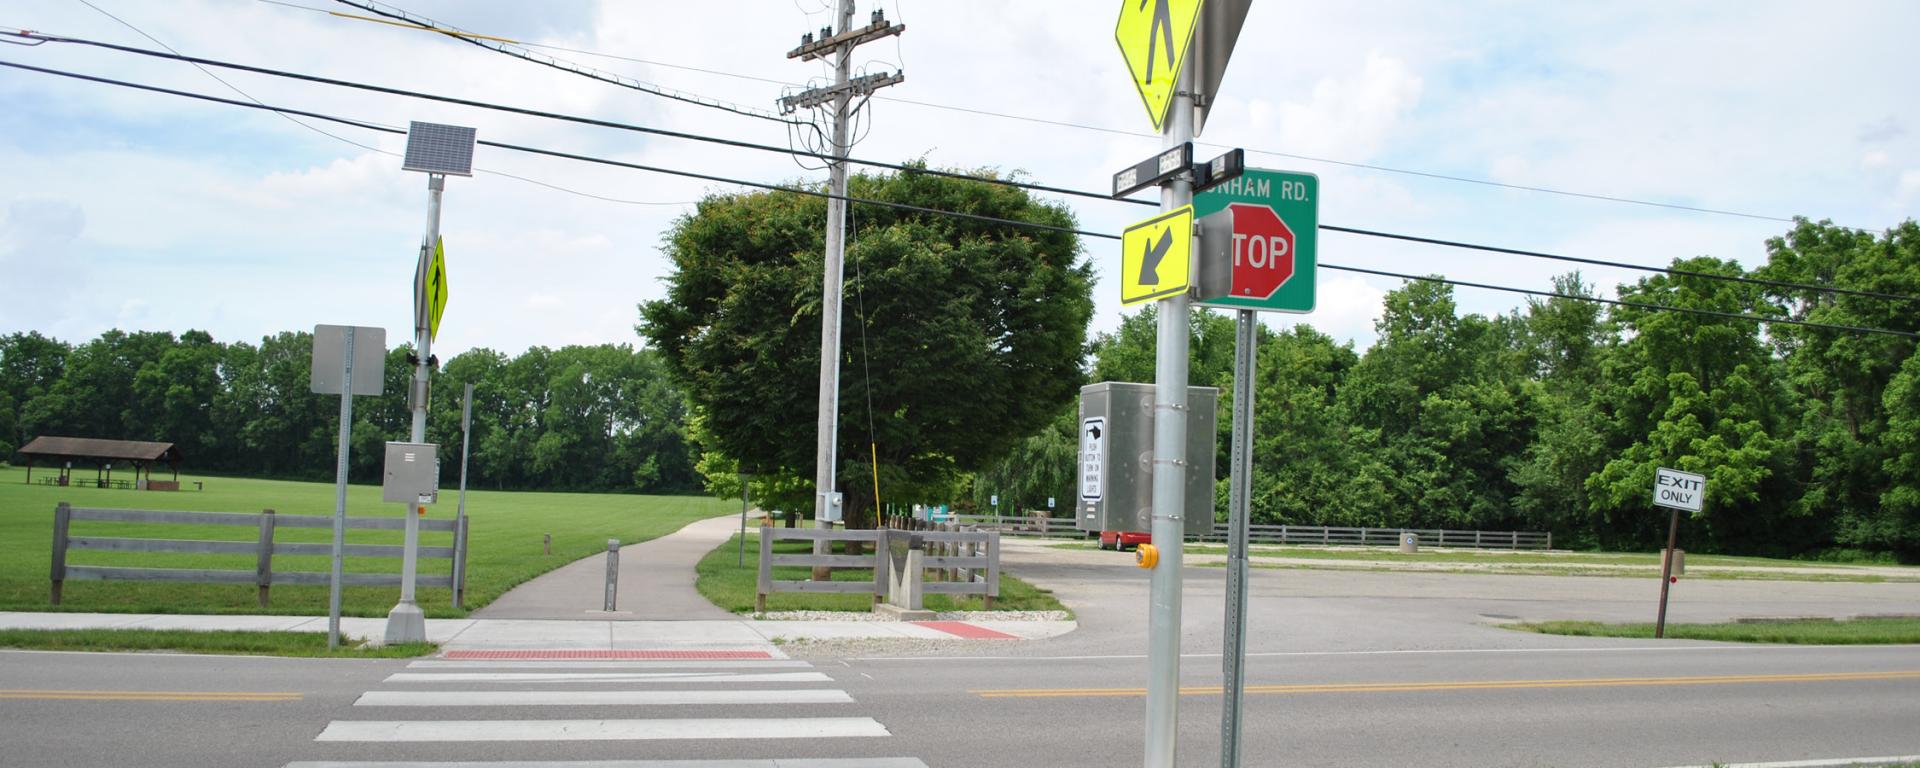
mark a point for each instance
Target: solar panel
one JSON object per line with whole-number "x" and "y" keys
{"x": 437, "y": 148}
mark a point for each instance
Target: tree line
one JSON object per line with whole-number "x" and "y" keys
{"x": 584, "y": 418}
{"x": 1554, "y": 417}
{"x": 1550, "y": 417}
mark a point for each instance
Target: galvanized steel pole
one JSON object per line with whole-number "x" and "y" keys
{"x": 460, "y": 514}
{"x": 406, "y": 623}
{"x": 1240, "y": 491}
{"x": 1169, "y": 472}
{"x": 340, "y": 494}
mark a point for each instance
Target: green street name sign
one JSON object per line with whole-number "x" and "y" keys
{"x": 1286, "y": 251}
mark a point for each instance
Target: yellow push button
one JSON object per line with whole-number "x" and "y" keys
{"x": 1146, "y": 556}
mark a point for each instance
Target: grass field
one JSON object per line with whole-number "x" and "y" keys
{"x": 733, "y": 587}
{"x": 1811, "y": 632}
{"x": 505, "y": 534}
{"x": 234, "y": 643}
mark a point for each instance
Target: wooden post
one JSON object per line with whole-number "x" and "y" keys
{"x": 882, "y": 559}
{"x": 264, "y": 573}
{"x": 549, "y": 543}
{"x": 766, "y": 570}
{"x": 993, "y": 568}
{"x": 62, "y": 514}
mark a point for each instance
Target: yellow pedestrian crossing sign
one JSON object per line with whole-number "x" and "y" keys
{"x": 437, "y": 289}
{"x": 1155, "y": 257}
{"x": 1154, "y": 36}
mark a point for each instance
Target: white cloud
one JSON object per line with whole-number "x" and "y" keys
{"x": 243, "y": 223}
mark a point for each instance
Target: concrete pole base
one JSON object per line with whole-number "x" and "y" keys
{"x": 406, "y": 624}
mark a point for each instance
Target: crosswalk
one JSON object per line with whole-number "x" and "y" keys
{"x": 441, "y": 703}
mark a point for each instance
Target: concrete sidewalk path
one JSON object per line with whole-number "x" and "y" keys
{"x": 656, "y": 582}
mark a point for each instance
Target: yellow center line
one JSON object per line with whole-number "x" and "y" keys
{"x": 50, "y": 695}
{"x": 1469, "y": 685}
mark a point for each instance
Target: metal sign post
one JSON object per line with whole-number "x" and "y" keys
{"x": 436, "y": 150}
{"x": 460, "y": 513}
{"x": 1676, "y": 491}
{"x": 344, "y": 348}
{"x": 1233, "y": 671}
{"x": 740, "y": 560}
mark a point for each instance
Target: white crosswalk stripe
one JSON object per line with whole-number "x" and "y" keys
{"x": 637, "y": 686}
{"x": 596, "y": 698}
{"x": 854, "y": 762}
{"x": 607, "y": 677}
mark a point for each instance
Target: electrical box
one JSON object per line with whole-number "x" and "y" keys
{"x": 412, "y": 474}
{"x": 1116, "y": 457}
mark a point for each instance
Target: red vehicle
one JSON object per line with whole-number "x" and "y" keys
{"x": 1124, "y": 540}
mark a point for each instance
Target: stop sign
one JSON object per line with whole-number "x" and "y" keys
{"x": 1263, "y": 248}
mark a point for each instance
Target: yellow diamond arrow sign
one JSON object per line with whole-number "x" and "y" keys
{"x": 437, "y": 289}
{"x": 1155, "y": 255}
{"x": 1154, "y": 36}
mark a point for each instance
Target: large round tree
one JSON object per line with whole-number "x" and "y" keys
{"x": 960, "y": 336}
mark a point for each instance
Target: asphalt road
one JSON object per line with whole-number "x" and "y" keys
{"x": 1346, "y": 669}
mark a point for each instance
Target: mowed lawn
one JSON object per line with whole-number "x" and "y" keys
{"x": 505, "y": 536}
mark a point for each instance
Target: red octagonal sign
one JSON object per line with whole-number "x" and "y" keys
{"x": 1262, "y": 251}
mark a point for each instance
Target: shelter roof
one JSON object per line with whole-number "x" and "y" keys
{"x": 92, "y": 448}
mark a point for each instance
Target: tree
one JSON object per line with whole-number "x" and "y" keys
{"x": 1842, "y": 437}
{"x": 1897, "y": 526}
{"x": 1439, "y": 409}
{"x": 30, "y": 365}
{"x": 1701, "y": 394}
{"x": 961, "y": 335}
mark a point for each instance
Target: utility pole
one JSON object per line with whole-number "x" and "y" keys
{"x": 826, "y": 501}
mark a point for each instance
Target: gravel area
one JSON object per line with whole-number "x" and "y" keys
{"x": 942, "y": 616}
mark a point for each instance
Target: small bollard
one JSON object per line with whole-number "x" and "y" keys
{"x": 549, "y": 544}
{"x": 613, "y": 572}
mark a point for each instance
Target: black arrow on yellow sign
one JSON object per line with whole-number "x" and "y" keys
{"x": 1151, "y": 257}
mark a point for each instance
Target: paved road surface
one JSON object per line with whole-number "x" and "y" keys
{"x": 1348, "y": 669}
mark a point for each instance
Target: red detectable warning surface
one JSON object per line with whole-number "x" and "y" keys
{"x": 969, "y": 631}
{"x": 602, "y": 655}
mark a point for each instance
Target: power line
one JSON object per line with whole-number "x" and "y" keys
{"x": 1621, "y": 199}
{"x": 512, "y": 48}
{"x": 1023, "y": 185}
{"x": 790, "y": 151}
{"x": 555, "y": 115}
{"x": 952, "y": 214}
{"x": 915, "y": 169}
{"x": 1623, "y": 265}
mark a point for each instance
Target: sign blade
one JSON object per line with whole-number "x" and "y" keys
{"x": 437, "y": 289}
{"x": 1154, "y": 37}
{"x": 1156, "y": 256}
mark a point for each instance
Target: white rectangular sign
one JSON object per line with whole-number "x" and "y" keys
{"x": 1678, "y": 490}
{"x": 1093, "y": 453}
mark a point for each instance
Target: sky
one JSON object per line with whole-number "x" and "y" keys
{"x": 139, "y": 211}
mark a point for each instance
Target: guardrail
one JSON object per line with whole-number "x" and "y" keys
{"x": 1066, "y": 527}
{"x": 961, "y": 563}
{"x": 263, "y": 549}
{"x": 768, "y": 585}
{"x": 1385, "y": 537}
{"x": 1024, "y": 525}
